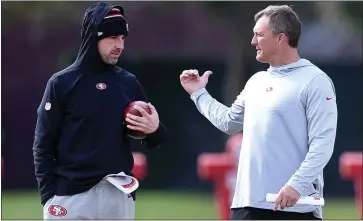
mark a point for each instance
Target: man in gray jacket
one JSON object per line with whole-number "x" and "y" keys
{"x": 288, "y": 115}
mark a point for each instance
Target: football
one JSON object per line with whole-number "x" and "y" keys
{"x": 130, "y": 109}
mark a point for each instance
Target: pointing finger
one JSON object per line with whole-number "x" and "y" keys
{"x": 277, "y": 202}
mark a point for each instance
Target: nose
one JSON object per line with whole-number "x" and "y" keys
{"x": 254, "y": 41}
{"x": 120, "y": 42}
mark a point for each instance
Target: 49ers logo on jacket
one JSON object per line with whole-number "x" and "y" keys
{"x": 57, "y": 210}
{"x": 101, "y": 86}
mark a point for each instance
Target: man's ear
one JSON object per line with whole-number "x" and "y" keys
{"x": 281, "y": 38}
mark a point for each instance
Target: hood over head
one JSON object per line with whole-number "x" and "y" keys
{"x": 100, "y": 20}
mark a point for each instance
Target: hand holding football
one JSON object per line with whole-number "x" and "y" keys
{"x": 138, "y": 118}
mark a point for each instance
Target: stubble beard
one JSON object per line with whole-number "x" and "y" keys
{"x": 109, "y": 60}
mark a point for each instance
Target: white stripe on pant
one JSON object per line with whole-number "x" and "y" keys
{"x": 103, "y": 201}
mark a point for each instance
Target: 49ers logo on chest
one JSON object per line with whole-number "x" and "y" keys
{"x": 57, "y": 210}
{"x": 101, "y": 86}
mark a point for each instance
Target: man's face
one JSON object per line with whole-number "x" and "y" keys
{"x": 110, "y": 48}
{"x": 266, "y": 43}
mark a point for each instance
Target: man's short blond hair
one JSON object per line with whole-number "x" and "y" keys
{"x": 282, "y": 19}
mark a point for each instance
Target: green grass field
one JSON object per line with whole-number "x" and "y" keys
{"x": 159, "y": 205}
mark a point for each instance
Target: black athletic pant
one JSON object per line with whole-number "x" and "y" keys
{"x": 250, "y": 213}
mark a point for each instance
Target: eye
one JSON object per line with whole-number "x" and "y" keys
{"x": 258, "y": 34}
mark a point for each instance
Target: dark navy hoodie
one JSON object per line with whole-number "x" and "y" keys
{"x": 79, "y": 135}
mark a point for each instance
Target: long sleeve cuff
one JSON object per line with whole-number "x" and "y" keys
{"x": 154, "y": 140}
{"x": 297, "y": 186}
{"x": 194, "y": 96}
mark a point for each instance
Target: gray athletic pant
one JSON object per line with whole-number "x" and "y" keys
{"x": 103, "y": 201}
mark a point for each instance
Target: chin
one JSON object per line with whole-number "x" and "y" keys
{"x": 112, "y": 62}
{"x": 261, "y": 59}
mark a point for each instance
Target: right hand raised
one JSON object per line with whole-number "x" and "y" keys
{"x": 191, "y": 81}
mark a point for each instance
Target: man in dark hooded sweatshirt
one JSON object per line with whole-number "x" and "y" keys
{"x": 80, "y": 132}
